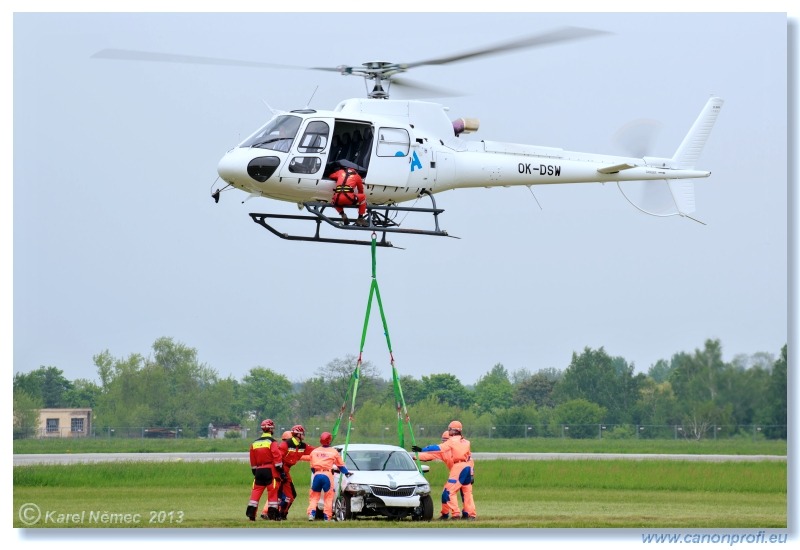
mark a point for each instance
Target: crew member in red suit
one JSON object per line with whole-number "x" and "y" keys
{"x": 323, "y": 459}
{"x": 349, "y": 191}
{"x": 293, "y": 450}
{"x": 266, "y": 464}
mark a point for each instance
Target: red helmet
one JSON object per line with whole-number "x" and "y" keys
{"x": 298, "y": 430}
{"x": 286, "y": 435}
{"x": 267, "y": 425}
{"x": 446, "y": 435}
{"x": 325, "y": 438}
{"x": 455, "y": 425}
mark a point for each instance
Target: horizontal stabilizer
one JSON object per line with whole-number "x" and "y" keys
{"x": 616, "y": 168}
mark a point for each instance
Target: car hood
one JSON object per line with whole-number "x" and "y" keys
{"x": 389, "y": 479}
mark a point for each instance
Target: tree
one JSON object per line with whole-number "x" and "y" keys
{"x": 26, "y": 413}
{"x": 493, "y": 390}
{"x": 775, "y": 411}
{"x": 265, "y": 392}
{"x": 514, "y": 421}
{"x": 84, "y": 394}
{"x": 447, "y": 389}
{"x": 338, "y": 373}
{"x": 581, "y": 418}
{"x": 46, "y": 384}
{"x": 537, "y": 389}
{"x": 696, "y": 380}
{"x": 595, "y": 376}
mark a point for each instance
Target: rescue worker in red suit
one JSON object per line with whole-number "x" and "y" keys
{"x": 461, "y": 473}
{"x": 293, "y": 450}
{"x": 267, "y": 466}
{"x": 349, "y": 191}
{"x": 323, "y": 459}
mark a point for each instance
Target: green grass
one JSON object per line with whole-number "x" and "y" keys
{"x": 738, "y": 446}
{"x": 508, "y": 493}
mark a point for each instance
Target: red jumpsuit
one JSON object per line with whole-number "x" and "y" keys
{"x": 266, "y": 462}
{"x": 349, "y": 191}
{"x": 456, "y": 454}
{"x": 293, "y": 450}
{"x": 323, "y": 459}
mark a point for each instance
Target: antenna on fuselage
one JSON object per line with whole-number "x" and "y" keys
{"x": 308, "y": 103}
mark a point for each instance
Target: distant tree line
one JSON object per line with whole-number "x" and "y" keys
{"x": 171, "y": 388}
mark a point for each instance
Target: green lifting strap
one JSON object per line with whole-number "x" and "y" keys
{"x": 400, "y": 404}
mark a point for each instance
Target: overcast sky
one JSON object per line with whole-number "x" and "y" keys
{"x": 117, "y": 242}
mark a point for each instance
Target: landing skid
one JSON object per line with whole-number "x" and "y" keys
{"x": 380, "y": 220}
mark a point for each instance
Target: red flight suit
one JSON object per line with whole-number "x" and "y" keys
{"x": 349, "y": 191}
{"x": 293, "y": 450}
{"x": 266, "y": 463}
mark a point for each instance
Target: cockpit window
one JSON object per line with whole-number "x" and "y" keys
{"x": 315, "y": 138}
{"x": 276, "y": 135}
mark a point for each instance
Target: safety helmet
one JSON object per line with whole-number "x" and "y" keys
{"x": 445, "y": 435}
{"x": 298, "y": 430}
{"x": 455, "y": 425}
{"x": 325, "y": 438}
{"x": 267, "y": 425}
{"x": 286, "y": 435}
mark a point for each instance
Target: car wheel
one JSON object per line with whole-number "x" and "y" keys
{"x": 341, "y": 509}
{"x": 426, "y": 503}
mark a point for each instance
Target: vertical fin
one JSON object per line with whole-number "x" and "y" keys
{"x": 689, "y": 151}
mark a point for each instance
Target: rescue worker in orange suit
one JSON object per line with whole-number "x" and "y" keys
{"x": 293, "y": 450}
{"x": 461, "y": 474}
{"x": 266, "y": 464}
{"x": 349, "y": 191}
{"x": 323, "y": 459}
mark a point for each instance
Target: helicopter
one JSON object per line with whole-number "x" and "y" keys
{"x": 407, "y": 149}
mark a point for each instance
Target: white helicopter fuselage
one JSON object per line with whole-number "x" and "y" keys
{"x": 406, "y": 148}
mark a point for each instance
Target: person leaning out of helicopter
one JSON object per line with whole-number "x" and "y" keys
{"x": 349, "y": 191}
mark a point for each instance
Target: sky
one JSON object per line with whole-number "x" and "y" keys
{"x": 117, "y": 242}
{"x": 113, "y": 241}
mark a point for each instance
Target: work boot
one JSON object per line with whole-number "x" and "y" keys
{"x": 444, "y": 517}
{"x": 264, "y": 516}
{"x": 362, "y": 221}
{"x": 250, "y": 513}
{"x": 312, "y": 516}
{"x": 345, "y": 220}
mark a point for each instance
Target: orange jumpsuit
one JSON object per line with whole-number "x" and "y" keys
{"x": 293, "y": 450}
{"x": 323, "y": 459}
{"x": 266, "y": 462}
{"x": 349, "y": 191}
{"x": 456, "y": 454}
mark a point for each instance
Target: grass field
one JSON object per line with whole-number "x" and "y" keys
{"x": 509, "y": 494}
{"x": 738, "y": 446}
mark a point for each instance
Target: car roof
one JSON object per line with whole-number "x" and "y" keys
{"x": 370, "y": 447}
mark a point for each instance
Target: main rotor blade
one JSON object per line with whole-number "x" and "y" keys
{"x": 136, "y": 55}
{"x": 564, "y": 34}
{"x": 422, "y": 90}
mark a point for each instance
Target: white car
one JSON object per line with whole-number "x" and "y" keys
{"x": 385, "y": 482}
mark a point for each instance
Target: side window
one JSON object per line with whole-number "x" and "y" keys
{"x": 393, "y": 142}
{"x": 305, "y": 165}
{"x": 315, "y": 138}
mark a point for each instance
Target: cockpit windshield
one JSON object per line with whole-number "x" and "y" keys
{"x": 276, "y": 135}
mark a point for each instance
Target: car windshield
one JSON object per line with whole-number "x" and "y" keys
{"x": 377, "y": 461}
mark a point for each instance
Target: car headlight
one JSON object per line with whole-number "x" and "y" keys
{"x": 423, "y": 488}
{"x": 357, "y": 488}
